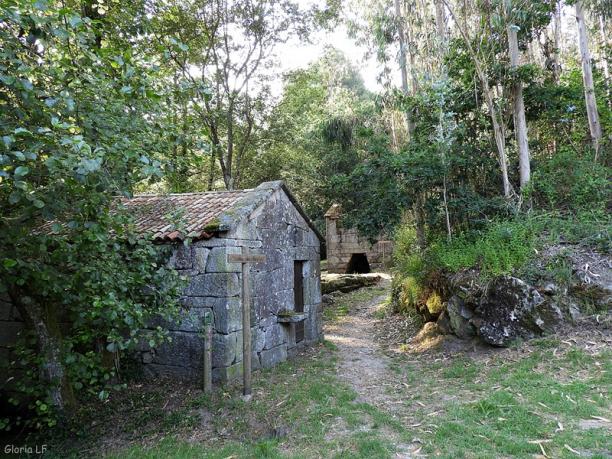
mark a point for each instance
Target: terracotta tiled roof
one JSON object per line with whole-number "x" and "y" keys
{"x": 173, "y": 216}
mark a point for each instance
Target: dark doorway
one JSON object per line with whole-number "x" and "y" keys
{"x": 358, "y": 264}
{"x": 298, "y": 296}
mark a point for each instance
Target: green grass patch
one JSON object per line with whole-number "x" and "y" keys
{"x": 316, "y": 415}
{"x": 343, "y": 303}
{"x": 540, "y": 397}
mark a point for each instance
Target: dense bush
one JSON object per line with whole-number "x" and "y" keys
{"x": 569, "y": 182}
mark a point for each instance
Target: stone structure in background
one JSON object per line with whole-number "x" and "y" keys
{"x": 267, "y": 220}
{"x": 350, "y": 253}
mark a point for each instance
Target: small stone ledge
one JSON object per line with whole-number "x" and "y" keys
{"x": 287, "y": 317}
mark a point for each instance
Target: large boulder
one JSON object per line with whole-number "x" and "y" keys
{"x": 459, "y": 316}
{"x": 510, "y": 308}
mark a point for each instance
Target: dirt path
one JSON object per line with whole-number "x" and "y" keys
{"x": 362, "y": 363}
{"x": 364, "y": 366}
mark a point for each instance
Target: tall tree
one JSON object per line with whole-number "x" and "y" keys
{"x": 587, "y": 77}
{"x": 78, "y": 111}
{"x": 228, "y": 46}
{"x": 494, "y": 111}
{"x": 520, "y": 123}
{"x": 557, "y": 41}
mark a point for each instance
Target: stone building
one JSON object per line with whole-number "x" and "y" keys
{"x": 266, "y": 219}
{"x": 348, "y": 252}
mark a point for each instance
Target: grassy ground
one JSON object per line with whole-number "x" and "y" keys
{"x": 553, "y": 400}
{"x": 298, "y": 410}
{"x": 548, "y": 398}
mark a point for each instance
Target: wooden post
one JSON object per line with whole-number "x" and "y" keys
{"x": 246, "y": 331}
{"x": 245, "y": 258}
{"x": 207, "y": 383}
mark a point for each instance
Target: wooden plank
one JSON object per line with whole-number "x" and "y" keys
{"x": 207, "y": 383}
{"x": 245, "y": 258}
{"x": 246, "y": 331}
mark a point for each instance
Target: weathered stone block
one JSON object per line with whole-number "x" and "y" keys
{"x": 275, "y": 259}
{"x": 267, "y": 282}
{"x": 217, "y": 260}
{"x": 275, "y": 336}
{"x": 228, "y": 315}
{"x": 246, "y": 231}
{"x": 182, "y": 257}
{"x": 200, "y": 257}
{"x": 192, "y": 320}
{"x": 224, "y": 349}
{"x": 273, "y": 302}
{"x": 185, "y": 350}
{"x": 311, "y": 239}
{"x": 303, "y": 253}
{"x": 214, "y": 284}
{"x": 189, "y": 320}
{"x": 227, "y": 374}
{"x": 227, "y": 241}
{"x": 258, "y": 339}
{"x": 312, "y": 290}
{"x": 271, "y": 357}
{"x": 198, "y": 301}
{"x": 257, "y": 342}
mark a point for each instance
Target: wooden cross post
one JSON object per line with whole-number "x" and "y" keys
{"x": 245, "y": 258}
{"x": 207, "y": 322}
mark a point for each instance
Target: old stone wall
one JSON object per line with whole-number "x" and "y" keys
{"x": 277, "y": 230}
{"x": 274, "y": 228}
{"x": 343, "y": 243}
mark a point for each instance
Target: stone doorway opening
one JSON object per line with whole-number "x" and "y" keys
{"x": 358, "y": 264}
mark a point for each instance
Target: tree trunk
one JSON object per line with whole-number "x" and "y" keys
{"x": 557, "y": 42}
{"x": 604, "y": 57}
{"x": 520, "y": 123}
{"x": 419, "y": 219}
{"x": 498, "y": 132}
{"x": 402, "y": 62}
{"x": 441, "y": 23}
{"x": 46, "y": 326}
{"x": 587, "y": 77}
{"x": 449, "y": 231}
{"x": 211, "y": 172}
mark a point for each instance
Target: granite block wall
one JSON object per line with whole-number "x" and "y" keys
{"x": 342, "y": 243}
{"x": 277, "y": 230}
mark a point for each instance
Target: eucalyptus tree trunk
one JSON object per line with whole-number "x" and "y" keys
{"x": 441, "y": 22}
{"x": 605, "y": 45}
{"x": 557, "y": 42}
{"x": 498, "y": 132}
{"x": 417, "y": 208}
{"x": 587, "y": 77}
{"x": 403, "y": 63}
{"x": 494, "y": 112}
{"x": 520, "y": 123}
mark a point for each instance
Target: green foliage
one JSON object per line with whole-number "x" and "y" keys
{"x": 318, "y": 133}
{"x": 500, "y": 249}
{"x": 77, "y": 122}
{"x": 568, "y": 182}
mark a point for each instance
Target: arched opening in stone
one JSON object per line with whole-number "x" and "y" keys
{"x": 358, "y": 264}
